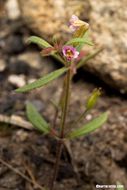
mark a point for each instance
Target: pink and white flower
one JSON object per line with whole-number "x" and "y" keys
{"x": 75, "y": 23}
{"x": 70, "y": 53}
{"x": 72, "y": 21}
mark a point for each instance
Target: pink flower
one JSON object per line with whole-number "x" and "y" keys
{"x": 70, "y": 52}
{"x": 72, "y": 21}
{"x": 75, "y": 23}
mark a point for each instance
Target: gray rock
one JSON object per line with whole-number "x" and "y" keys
{"x": 108, "y": 22}
{"x": 17, "y": 80}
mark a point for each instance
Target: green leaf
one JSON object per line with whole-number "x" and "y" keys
{"x": 42, "y": 81}
{"x": 85, "y": 36}
{"x": 43, "y": 44}
{"x": 39, "y": 41}
{"x": 89, "y": 127}
{"x": 36, "y": 119}
{"x": 79, "y": 41}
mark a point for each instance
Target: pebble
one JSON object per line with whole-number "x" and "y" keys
{"x": 32, "y": 58}
{"x": 20, "y": 136}
{"x": 89, "y": 117}
{"x": 2, "y": 65}
{"x": 12, "y": 9}
{"x": 17, "y": 80}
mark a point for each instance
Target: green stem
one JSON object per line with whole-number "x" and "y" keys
{"x": 66, "y": 101}
{"x": 57, "y": 109}
{"x": 62, "y": 127}
{"x": 56, "y": 167}
{"x": 81, "y": 116}
{"x": 75, "y": 122}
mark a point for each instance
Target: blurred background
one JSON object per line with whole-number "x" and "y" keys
{"x": 98, "y": 158}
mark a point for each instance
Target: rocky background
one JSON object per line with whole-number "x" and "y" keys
{"x": 99, "y": 158}
{"x": 108, "y": 28}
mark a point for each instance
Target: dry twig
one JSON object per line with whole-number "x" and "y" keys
{"x": 21, "y": 174}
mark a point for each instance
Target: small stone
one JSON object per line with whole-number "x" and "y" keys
{"x": 21, "y": 136}
{"x": 89, "y": 117}
{"x": 33, "y": 59}
{"x": 12, "y": 9}
{"x": 2, "y": 65}
{"x": 17, "y": 80}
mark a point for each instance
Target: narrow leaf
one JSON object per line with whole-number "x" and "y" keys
{"x": 36, "y": 119}
{"x": 85, "y": 36}
{"x": 79, "y": 41}
{"x": 89, "y": 127}
{"x": 44, "y": 44}
{"x": 39, "y": 41}
{"x": 42, "y": 81}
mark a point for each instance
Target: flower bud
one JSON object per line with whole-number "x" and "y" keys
{"x": 78, "y": 26}
{"x": 75, "y": 23}
{"x": 93, "y": 99}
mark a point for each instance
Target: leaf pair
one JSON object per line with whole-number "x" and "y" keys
{"x": 44, "y": 44}
{"x": 78, "y": 41}
{"x": 39, "y": 123}
{"x": 32, "y": 113}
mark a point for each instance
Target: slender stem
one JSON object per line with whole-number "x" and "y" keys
{"x": 81, "y": 116}
{"x": 21, "y": 174}
{"x": 55, "y": 118}
{"x": 66, "y": 101}
{"x": 62, "y": 127}
{"x": 57, "y": 109}
{"x": 56, "y": 167}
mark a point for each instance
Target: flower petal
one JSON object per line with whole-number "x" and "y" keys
{"x": 70, "y": 52}
{"x": 76, "y": 54}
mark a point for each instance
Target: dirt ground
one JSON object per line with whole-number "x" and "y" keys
{"x": 98, "y": 158}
